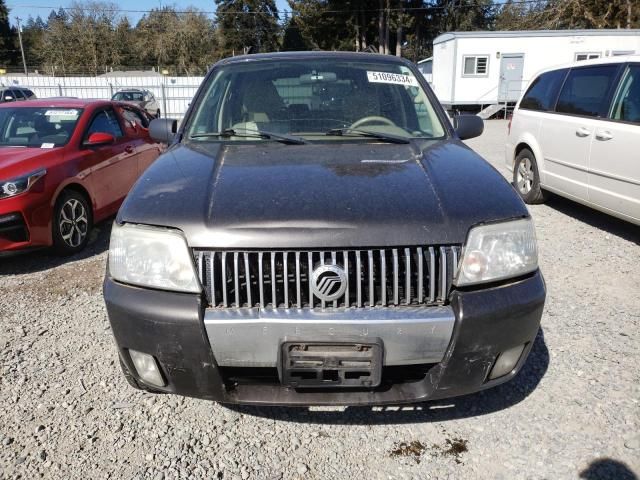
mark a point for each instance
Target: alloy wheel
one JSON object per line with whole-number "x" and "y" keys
{"x": 525, "y": 176}
{"x": 73, "y": 223}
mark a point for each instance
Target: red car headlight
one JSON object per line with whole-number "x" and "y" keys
{"x": 16, "y": 186}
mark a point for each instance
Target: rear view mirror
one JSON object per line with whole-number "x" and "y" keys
{"x": 468, "y": 126}
{"x": 100, "y": 138}
{"x": 320, "y": 77}
{"x": 163, "y": 130}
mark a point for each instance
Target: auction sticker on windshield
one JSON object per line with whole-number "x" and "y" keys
{"x": 63, "y": 114}
{"x": 394, "y": 78}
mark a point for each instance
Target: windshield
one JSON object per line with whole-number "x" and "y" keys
{"x": 129, "y": 97}
{"x": 37, "y": 127}
{"x": 314, "y": 99}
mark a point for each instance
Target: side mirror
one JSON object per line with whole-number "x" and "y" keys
{"x": 163, "y": 130}
{"x": 468, "y": 126}
{"x": 100, "y": 138}
{"x": 8, "y": 98}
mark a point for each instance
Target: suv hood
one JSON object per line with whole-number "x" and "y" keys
{"x": 269, "y": 195}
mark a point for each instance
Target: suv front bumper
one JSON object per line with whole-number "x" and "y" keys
{"x": 467, "y": 338}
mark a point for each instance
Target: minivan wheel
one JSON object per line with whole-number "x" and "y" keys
{"x": 71, "y": 223}
{"x": 526, "y": 179}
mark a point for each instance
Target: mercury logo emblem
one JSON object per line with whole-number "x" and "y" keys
{"x": 329, "y": 282}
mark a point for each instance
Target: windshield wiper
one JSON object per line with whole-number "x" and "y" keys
{"x": 387, "y": 137}
{"x": 230, "y": 132}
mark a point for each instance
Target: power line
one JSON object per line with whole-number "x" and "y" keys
{"x": 168, "y": 10}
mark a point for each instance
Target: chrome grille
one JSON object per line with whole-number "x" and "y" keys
{"x": 280, "y": 279}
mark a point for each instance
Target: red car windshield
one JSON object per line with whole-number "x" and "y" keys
{"x": 37, "y": 127}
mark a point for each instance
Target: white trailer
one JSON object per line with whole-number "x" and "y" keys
{"x": 491, "y": 69}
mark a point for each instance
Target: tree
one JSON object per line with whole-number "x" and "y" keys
{"x": 568, "y": 14}
{"x": 196, "y": 43}
{"x": 124, "y": 54}
{"x": 54, "y": 43}
{"x": 463, "y": 15}
{"x": 184, "y": 42}
{"x": 337, "y": 24}
{"x": 32, "y": 40}
{"x": 293, "y": 40}
{"x": 8, "y": 52}
{"x": 91, "y": 28}
{"x": 247, "y": 25}
{"x": 561, "y": 14}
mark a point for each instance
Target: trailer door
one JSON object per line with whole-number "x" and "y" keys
{"x": 511, "y": 84}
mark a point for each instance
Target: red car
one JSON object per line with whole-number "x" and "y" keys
{"x": 66, "y": 164}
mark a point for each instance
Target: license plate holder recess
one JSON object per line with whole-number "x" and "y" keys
{"x": 330, "y": 364}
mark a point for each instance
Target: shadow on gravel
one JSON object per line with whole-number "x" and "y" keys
{"x": 30, "y": 261}
{"x": 607, "y": 468}
{"x": 481, "y": 403}
{"x": 595, "y": 218}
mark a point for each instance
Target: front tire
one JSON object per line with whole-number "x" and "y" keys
{"x": 72, "y": 222}
{"x": 526, "y": 178}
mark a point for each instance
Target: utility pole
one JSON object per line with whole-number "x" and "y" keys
{"x": 24, "y": 62}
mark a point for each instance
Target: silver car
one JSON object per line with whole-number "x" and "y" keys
{"x": 576, "y": 132}
{"x": 141, "y": 98}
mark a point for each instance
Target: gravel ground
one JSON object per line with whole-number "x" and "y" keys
{"x": 67, "y": 412}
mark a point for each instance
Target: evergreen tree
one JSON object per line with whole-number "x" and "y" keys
{"x": 293, "y": 40}
{"x": 8, "y": 38}
{"x": 247, "y": 25}
{"x": 32, "y": 37}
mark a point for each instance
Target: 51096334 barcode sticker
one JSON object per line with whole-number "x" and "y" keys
{"x": 393, "y": 78}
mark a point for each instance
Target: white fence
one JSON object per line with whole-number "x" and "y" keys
{"x": 172, "y": 93}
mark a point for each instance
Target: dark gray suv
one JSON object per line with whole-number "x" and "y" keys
{"x": 15, "y": 94}
{"x": 317, "y": 233}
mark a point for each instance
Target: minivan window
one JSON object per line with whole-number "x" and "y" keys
{"x": 543, "y": 92}
{"x": 626, "y": 106}
{"x": 18, "y": 94}
{"x": 586, "y": 91}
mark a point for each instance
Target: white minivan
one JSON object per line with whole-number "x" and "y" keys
{"x": 576, "y": 132}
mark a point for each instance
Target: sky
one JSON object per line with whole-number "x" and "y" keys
{"x": 24, "y": 8}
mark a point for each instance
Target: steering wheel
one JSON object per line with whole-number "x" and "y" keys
{"x": 372, "y": 119}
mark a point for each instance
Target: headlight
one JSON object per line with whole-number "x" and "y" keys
{"x": 15, "y": 186}
{"x": 151, "y": 257}
{"x": 498, "y": 251}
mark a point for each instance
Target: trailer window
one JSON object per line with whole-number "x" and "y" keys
{"x": 475, "y": 65}
{"x": 587, "y": 56}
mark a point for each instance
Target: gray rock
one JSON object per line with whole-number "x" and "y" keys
{"x": 633, "y": 443}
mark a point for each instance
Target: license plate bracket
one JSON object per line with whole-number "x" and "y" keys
{"x": 330, "y": 364}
